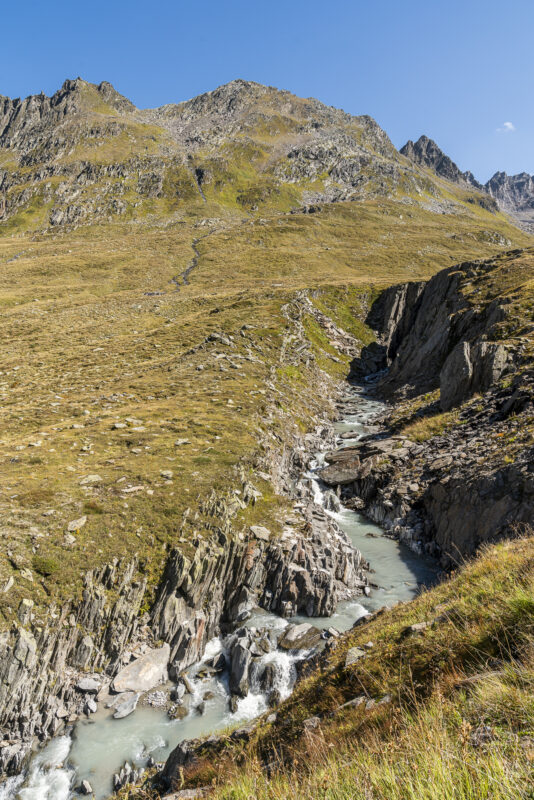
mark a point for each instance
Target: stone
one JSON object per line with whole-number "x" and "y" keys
{"x": 353, "y": 655}
{"x": 354, "y": 703}
{"x": 177, "y": 712}
{"x": 166, "y": 473}
{"x": 88, "y": 685}
{"x": 260, "y": 532}
{"x": 178, "y": 692}
{"x": 144, "y": 673}
{"x": 418, "y": 627}
{"x": 24, "y": 612}
{"x": 91, "y": 706}
{"x": 127, "y": 707}
{"x": 239, "y": 665}
{"x": 85, "y": 788}
{"x": 300, "y": 637}
{"x": 76, "y": 524}
{"x": 217, "y": 663}
{"x": 89, "y": 480}
{"x": 340, "y": 474}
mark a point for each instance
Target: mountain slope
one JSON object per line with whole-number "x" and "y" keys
{"x": 181, "y": 291}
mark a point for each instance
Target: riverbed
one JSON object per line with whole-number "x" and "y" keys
{"x": 99, "y": 745}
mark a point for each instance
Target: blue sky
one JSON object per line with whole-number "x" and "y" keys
{"x": 457, "y": 70}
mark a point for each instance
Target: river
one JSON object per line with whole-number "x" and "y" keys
{"x": 99, "y": 745}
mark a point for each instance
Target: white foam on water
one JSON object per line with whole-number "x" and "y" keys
{"x": 8, "y": 789}
{"x": 47, "y": 778}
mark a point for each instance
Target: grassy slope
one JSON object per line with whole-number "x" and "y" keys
{"x": 85, "y": 347}
{"x": 460, "y": 723}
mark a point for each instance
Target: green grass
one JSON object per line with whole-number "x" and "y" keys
{"x": 427, "y": 427}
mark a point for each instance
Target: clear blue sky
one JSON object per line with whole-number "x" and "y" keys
{"x": 457, "y": 70}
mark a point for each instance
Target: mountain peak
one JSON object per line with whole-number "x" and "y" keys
{"x": 426, "y": 152}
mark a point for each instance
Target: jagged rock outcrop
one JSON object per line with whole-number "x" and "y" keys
{"x": 297, "y": 574}
{"x": 513, "y": 194}
{"x": 450, "y": 492}
{"x": 89, "y": 134}
{"x": 426, "y": 152}
{"x": 436, "y": 335}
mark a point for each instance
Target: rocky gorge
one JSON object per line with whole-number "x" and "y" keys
{"x": 106, "y": 643}
{"x": 461, "y": 375}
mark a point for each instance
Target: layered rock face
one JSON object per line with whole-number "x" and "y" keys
{"x": 472, "y": 482}
{"x": 39, "y": 666}
{"x": 432, "y": 335}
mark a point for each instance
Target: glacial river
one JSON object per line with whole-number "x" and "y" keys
{"x": 99, "y": 745}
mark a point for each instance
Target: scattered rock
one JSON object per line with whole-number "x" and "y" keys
{"x": 76, "y": 524}
{"x": 353, "y": 655}
{"x": 89, "y": 480}
{"x": 127, "y": 707}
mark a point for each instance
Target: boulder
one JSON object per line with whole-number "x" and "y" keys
{"x": 239, "y": 666}
{"x": 259, "y": 532}
{"x": 88, "y": 685}
{"x": 353, "y": 655}
{"x": 340, "y": 473}
{"x": 144, "y": 673}
{"x": 76, "y": 524}
{"x": 300, "y": 637}
{"x": 127, "y": 707}
{"x": 91, "y": 706}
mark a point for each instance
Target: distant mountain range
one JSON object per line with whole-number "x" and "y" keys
{"x": 513, "y": 193}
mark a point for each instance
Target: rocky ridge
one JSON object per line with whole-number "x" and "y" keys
{"x": 513, "y": 194}
{"x": 87, "y": 154}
